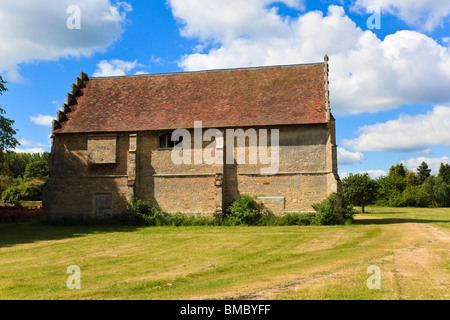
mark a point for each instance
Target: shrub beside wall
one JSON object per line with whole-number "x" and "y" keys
{"x": 244, "y": 211}
{"x": 27, "y": 191}
{"x": 328, "y": 212}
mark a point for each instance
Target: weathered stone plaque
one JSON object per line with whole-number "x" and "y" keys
{"x": 102, "y": 149}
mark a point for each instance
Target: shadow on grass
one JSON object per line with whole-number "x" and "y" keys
{"x": 369, "y": 221}
{"x": 384, "y": 212}
{"x": 15, "y": 233}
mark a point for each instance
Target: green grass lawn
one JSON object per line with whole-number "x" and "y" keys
{"x": 436, "y": 216}
{"x": 409, "y": 245}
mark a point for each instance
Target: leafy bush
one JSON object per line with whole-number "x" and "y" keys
{"x": 415, "y": 196}
{"x": 6, "y": 182}
{"x": 36, "y": 169}
{"x": 142, "y": 213}
{"x": 27, "y": 191}
{"x": 178, "y": 219}
{"x": 244, "y": 211}
{"x": 12, "y": 195}
{"x": 32, "y": 190}
{"x": 293, "y": 219}
{"x": 328, "y": 211}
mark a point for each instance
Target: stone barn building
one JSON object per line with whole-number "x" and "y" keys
{"x": 112, "y": 141}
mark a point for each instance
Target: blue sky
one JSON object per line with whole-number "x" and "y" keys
{"x": 390, "y": 86}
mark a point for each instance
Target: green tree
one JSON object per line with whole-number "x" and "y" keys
{"x": 391, "y": 171}
{"x": 438, "y": 190}
{"x": 398, "y": 170}
{"x": 7, "y": 140}
{"x": 415, "y": 196}
{"x": 17, "y": 162}
{"x": 6, "y": 179}
{"x": 6, "y": 182}
{"x": 412, "y": 179}
{"x": 444, "y": 172}
{"x": 423, "y": 172}
{"x": 385, "y": 190}
{"x": 390, "y": 191}
{"x": 4, "y": 170}
{"x": 36, "y": 169}
{"x": 359, "y": 189}
{"x": 391, "y": 187}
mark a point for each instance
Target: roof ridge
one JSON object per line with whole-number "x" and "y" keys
{"x": 209, "y": 70}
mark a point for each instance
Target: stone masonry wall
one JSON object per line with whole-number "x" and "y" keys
{"x": 73, "y": 182}
{"x": 303, "y": 177}
{"x": 302, "y": 172}
{"x": 175, "y": 188}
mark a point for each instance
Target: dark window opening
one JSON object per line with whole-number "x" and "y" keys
{"x": 165, "y": 141}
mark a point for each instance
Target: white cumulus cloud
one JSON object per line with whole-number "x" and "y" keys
{"x": 28, "y": 143}
{"x": 227, "y": 20}
{"x": 34, "y": 31}
{"x": 407, "y": 133}
{"x": 29, "y": 150}
{"x": 433, "y": 163}
{"x": 374, "y": 174}
{"x": 348, "y": 157}
{"x": 115, "y": 67}
{"x": 424, "y": 14}
{"x": 367, "y": 74}
{"x": 42, "y": 120}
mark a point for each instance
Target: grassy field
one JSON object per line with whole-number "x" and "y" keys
{"x": 409, "y": 245}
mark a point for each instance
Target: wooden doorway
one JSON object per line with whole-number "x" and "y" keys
{"x": 103, "y": 205}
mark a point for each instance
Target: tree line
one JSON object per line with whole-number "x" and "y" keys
{"x": 400, "y": 188}
{"x": 22, "y": 176}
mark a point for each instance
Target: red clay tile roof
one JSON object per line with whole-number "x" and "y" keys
{"x": 262, "y": 96}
